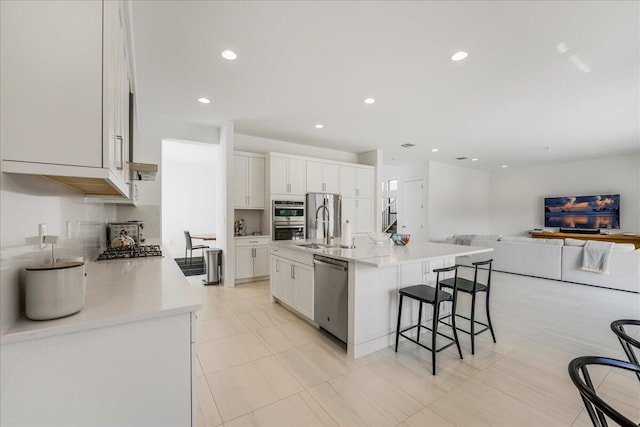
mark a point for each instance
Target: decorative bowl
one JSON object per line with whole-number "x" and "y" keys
{"x": 379, "y": 238}
{"x": 401, "y": 239}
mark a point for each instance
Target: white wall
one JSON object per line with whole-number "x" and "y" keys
{"x": 458, "y": 201}
{"x": 517, "y": 195}
{"x": 189, "y": 193}
{"x": 254, "y": 144}
{"x": 25, "y": 202}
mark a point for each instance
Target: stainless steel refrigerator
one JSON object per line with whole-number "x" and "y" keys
{"x": 315, "y": 229}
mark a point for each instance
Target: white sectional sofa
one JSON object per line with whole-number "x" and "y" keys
{"x": 557, "y": 259}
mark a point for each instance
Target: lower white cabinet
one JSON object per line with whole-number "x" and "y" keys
{"x": 128, "y": 374}
{"x": 292, "y": 283}
{"x": 252, "y": 257}
{"x": 359, "y": 212}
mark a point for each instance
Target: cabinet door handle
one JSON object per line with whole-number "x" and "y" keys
{"x": 277, "y": 265}
{"x": 293, "y": 272}
{"x": 121, "y": 139}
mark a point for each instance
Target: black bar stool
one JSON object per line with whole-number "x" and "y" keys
{"x": 434, "y": 296}
{"x": 473, "y": 288}
{"x": 626, "y": 341}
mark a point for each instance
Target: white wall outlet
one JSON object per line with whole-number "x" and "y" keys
{"x": 42, "y": 231}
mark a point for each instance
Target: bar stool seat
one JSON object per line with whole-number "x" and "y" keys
{"x": 473, "y": 287}
{"x": 433, "y": 296}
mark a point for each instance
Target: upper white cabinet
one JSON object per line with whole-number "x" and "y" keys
{"x": 356, "y": 181}
{"x": 288, "y": 175}
{"x": 65, "y": 92}
{"x": 249, "y": 181}
{"x": 322, "y": 177}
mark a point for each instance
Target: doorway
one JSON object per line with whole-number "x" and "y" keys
{"x": 412, "y": 208}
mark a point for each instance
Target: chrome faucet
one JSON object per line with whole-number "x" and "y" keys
{"x": 325, "y": 222}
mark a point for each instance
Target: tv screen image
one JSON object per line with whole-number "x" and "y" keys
{"x": 600, "y": 211}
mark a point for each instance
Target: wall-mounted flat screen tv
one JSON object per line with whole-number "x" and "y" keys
{"x": 592, "y": 212}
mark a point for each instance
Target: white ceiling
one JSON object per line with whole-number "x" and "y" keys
{"x": 302, "y": 63}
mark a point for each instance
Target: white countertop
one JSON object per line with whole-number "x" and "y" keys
{"x": 386, "y": 255}
{"x": 118, "y": 291}
{"x": 250, "y": 236}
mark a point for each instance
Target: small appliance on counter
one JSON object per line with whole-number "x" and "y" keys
{"x": 54, "y": 290}
{"x": 133, "y": 229}
{"x": 239, "y": 228}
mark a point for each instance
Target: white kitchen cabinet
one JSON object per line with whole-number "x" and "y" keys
{"x": 249, "y": 182}
{"x": 303, "y": 300}
{"x": 360, "y": 213}
{"x": 92, "y": 377}
{"x": 288, "y": 175}
{"x": 287, "y": 282}
{"x": 292, "y": 280}
{"x": 357, "y": 181}
{"x": 244, "y": 262}
{"x": 65, "y": 101}
{"x": 252, "y": 257}
{"x": 322, "y": 177}
{"x": 275, "y": 278}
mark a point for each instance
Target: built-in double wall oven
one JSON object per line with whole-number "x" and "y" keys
{"x": 288, "y": 220}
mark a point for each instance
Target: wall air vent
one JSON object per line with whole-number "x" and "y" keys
{"x": 408, "y": 145}
{"x": 461, "y": 158}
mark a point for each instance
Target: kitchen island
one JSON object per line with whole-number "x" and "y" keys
{"x": 124, "y": 359}
{"x": 375, "y": 274}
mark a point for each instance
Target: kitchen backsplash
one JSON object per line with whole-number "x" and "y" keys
{"x": 27, "y": 201}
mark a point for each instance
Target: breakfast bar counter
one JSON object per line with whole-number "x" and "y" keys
{"x": 375, "y": 273}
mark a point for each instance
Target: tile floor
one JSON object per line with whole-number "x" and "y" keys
{"x": 260, "y": 365}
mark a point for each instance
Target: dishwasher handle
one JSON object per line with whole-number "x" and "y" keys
{"x": 329, "y": 265}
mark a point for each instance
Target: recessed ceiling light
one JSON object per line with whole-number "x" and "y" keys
{"x": 475, "y": 159}
{"x": 204, "y": 100}
{"x": 505, "y": 166}
{"x": 229, "y": 55}
{"x": 369, "y": 101}
{"x": 319, "y": 126}
{"x": 434, "y": 150}
{"x": 459, "y": 56}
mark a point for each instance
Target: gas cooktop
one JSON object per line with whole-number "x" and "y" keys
{"x": 137, "y": 251}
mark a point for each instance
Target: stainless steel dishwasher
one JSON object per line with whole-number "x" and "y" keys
{"x": 331, "y": 278}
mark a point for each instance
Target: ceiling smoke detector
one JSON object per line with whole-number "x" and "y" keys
{"x": 407, "y": 145}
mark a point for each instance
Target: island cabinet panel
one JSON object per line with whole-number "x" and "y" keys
{"x": 130, "y": 374}
{"x": 292, "y": 280}
{"x": 373, "y": 299}
{"x": 276, "y": 277}
{"x": 304, "y": 290}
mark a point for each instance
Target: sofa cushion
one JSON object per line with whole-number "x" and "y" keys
{"x": 529, "y": 240}
{"x": 623, "y": 247}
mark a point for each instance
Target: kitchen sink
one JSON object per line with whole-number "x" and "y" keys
{"x": 316, "y": 246}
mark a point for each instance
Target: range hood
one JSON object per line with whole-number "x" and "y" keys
{"x": 87, "y": 180}
{"x": 143, "y": 171}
